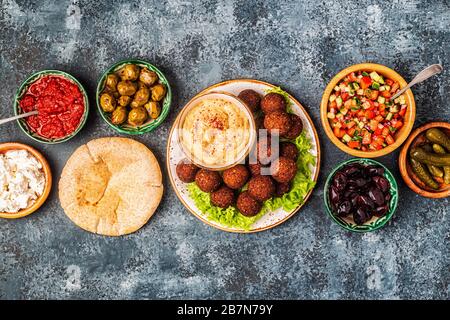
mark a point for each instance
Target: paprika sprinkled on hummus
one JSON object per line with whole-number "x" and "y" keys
{"x": 60, "y": 104}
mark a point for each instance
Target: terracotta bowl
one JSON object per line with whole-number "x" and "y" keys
{"x": 400, "y": 136}
{"x": 408, "y": 175}
{"x": 48, "y": 179}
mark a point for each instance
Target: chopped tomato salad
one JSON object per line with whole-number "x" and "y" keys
{"x": 361, "y": 113}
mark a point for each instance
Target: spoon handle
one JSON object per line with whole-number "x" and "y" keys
{"x": 421, "y": 76}
{"x": 20, "y": 116}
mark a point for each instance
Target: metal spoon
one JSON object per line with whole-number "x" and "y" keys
{"x": 421, "y": 76}
{"x": 20, "y": 116}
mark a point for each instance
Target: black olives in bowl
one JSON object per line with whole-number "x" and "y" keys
{"x": 361, "y": 195}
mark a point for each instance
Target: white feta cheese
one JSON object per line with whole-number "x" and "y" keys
{"x": 22, "y": 180}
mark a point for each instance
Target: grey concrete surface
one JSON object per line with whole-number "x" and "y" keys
{"x": 298, "y": 45}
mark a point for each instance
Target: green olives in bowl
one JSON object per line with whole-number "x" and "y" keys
{"x": 133, "y": 96}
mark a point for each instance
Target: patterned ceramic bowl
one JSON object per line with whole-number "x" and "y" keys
{"x": 374, "y": 223}
{"x": 22, "y": 90}
{"x": 150, "y": 124}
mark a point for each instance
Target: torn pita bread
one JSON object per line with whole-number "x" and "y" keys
{"x": 111, "y": 186}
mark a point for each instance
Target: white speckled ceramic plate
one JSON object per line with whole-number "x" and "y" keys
{"x": 175, "y": 154}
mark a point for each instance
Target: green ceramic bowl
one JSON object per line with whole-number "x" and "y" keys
{"x": 375, "y": 223}
{"x": 150, "y": 124}
{"x": 23, "y": 88}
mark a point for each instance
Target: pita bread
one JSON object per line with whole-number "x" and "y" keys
{"x": 111, "y": 186}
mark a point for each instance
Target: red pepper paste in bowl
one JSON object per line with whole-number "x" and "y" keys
{"x": 60, "y": 104}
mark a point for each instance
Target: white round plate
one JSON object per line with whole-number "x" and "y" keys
{"x": 175, "y": 154}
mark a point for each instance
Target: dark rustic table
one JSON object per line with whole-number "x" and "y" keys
{"x": 298, "y": 45}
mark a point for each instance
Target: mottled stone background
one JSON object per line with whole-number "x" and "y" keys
{"x": 298, "y": 45}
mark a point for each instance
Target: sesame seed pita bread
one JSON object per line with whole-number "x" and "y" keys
{"x": 111, "y": 186}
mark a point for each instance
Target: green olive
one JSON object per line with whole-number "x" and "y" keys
{"x": 111, "y": 82}
{"x": 137, "y": 116}
{"x": 126, "y": 88}
{"x": 141, "y": 84}
{"x": 129, "y": 72}
{"x": 107, "y": 102}
{"x": 158, "y": 92}
{"x": 141, "y": 97}
{"x": 153, "y": 108}
{"x": 124, "y": 101}
{"x": 148, "y": 77}
{"x": 119, "y": 115}
{"x": 114, "y": 93}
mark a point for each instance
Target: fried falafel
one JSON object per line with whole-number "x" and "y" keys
{"x": 186, "y": 171}
{"x": 281, "y": 188}
{"x": 236, "y": 177}
{"x": 273, "y": 102}
{"x": 255, "y": 169}
{"x": 296, "y": 128}
{"x": 264, "y": 150}
{"x": 283, "y": 169}
{"x": 261, "y": 188}
{"x": 289, "y": 150}
{"x": 222, "y": 197}
{"x": 278, "y": 122}
{"x": 251, "y": 98}
{"x": 207, "y": 180}
{"x": 247, "y": 205}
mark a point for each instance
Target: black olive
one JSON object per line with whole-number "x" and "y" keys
{"x": 377, "y": 196}
{"x": 382, "y": 183}
{"x": 388, "y": 197}
{"x": 352, "y": 186}
{"x": 339, "y": 181}
{"x": 371, "y": 171}
{"x": 349, "y": 194}
{"x": 361, "y": 215}
{"x": 334, "y": 195}
{"x": 360, "y": 182}
{"x": 351, "y": 170}
{"x": 344, "y": 208}
{"x": 355, "y": 200}
{"x": 381, "y": 211}
{"x": 364, "y": 200}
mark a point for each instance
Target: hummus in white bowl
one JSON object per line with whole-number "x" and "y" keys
{"x": 216, "y": 131}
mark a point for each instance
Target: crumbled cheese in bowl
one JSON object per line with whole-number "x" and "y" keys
{"x": 22, "y": 180}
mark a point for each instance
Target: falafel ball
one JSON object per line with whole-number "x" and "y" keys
{"x": 259, "y": 121}
{"x": 186, "y": 171}
{"x": 222, "y": 197}
{"x": 289, "y": 150}
{"x": 283, "y": 169}
{"x": 247, "y": 205}
{"x": 281, "y": 188}
{"x": 278, "y": 122}
{"x": 296, "y": 128}
{"x": 236, "y": 177}
{"x": 207, "y": 180}
{"x": 261, "y": 187}
{"x": 251, "y": 98}
{"x": 273, "y": 102}
{"x": 264, "y": 150}
{"x": 255, "y": 169}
